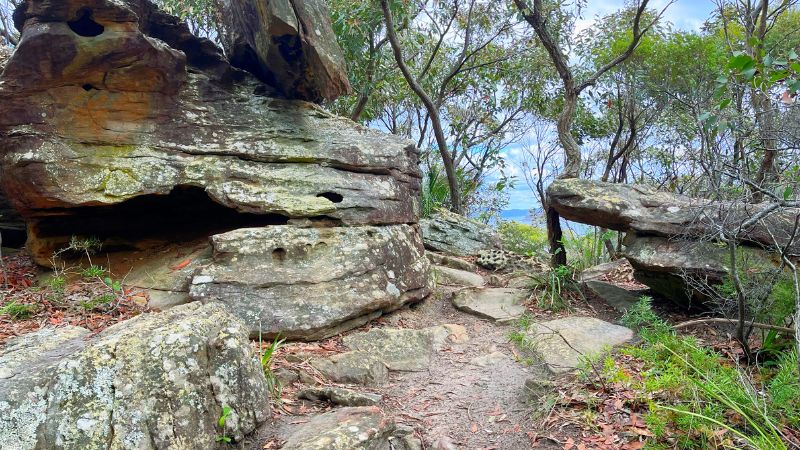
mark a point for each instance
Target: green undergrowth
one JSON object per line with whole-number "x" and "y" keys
{"x": 699, "y": 399}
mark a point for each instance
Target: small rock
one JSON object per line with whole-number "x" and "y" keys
{"x": 306, "y": 378}
{"x": 451, "y": 233}
{"x": 343, "y": 429}
{"x": 286, "y": 376}
{"x": 536, "y": 388}
{"x": 353, "y": 367}
{"x": 339, "y": 396}
{"x": 450, "y": 261}
{"x": 488, "y": 360}
{"x": 444, "y": 443}
{"x": 455, "y": 277}
{"x": 499, "y": 304}
{"x": 458, "y": 334}
{"x": 496, "y": 280}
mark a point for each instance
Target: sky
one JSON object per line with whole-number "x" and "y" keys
{"x": 687, "y": 15}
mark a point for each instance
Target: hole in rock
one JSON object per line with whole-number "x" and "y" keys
{"x": 85, "y": 25}
{"x": 87, "y": 87}
{"x": 150, "y": 222}
{"x": 279, "y": 254}
{"x": 332, "y": 196}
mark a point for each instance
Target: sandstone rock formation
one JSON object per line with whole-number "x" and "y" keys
{"x": 453, "y": 234}
{"x": 288, "y": 44}
{"x": 119, "y": 124}
{"x": 670, "y": 237}
{"x": 156, "y": 381}
{"x": 12, "y": 227}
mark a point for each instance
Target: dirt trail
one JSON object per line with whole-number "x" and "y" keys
{"x": 472, "y": 396}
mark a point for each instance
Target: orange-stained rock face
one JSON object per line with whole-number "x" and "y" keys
{"x": 118, "y": 124}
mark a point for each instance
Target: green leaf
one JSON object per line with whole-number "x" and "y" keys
{"x": 741, "y": 62}
{"x": 749, "y": 73}
{"x": 724, "y": 104}
{"x": 787, "y": 193}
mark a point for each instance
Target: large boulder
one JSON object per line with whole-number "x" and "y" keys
{"x": 670, "y": 240}
{"x": 648, "y": 211}
{"x": 12, "y": 227}
{"x": 321, "y": 280}
{"x": 451, "y": 233}
{"x": 155, "y": 381}
{"x": 121, "y": 125}
{"x": 288, "y": 44}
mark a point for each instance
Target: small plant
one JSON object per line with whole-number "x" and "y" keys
{"x": 97, "y": 302}
{"x": 267, "y": 355}
{"x": 18, "y": 311}
{"x": 93, "y": 272}
{"x": 226, "y": 412}
{"x": 551, "y": 286}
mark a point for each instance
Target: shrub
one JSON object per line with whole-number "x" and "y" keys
{"x": 523, "y": 238}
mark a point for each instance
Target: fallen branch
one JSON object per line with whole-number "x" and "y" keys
{"x": 763, "y": 326}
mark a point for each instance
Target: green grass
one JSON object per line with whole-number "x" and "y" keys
{"x": 267, "y": 356}
{"x": 704, "y": 396}
{"x": 18, "y": 311}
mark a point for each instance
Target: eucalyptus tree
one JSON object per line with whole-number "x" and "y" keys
{"x": 552, "y": 38}
{"x": 8, "y": 34}
{"x": 475, "y": 76}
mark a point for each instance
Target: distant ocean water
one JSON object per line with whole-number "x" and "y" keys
{"x": 524, "y": 216}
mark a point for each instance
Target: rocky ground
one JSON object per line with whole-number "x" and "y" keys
{"x": 469, "y": 388}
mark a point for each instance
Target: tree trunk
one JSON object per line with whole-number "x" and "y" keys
{"x": 572, "y": 151}
{"x": 433, "y": 112}
{"x": 558, "y": 253}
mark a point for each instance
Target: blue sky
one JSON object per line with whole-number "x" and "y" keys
{"x": 683, "y": 14}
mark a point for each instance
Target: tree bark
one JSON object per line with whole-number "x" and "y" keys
{"x": 433, "y": 111}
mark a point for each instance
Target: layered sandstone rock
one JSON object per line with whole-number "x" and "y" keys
{"x": 288, "y": 44}
{"x": 670, "y": 239}
{"x": 119, "y": 124}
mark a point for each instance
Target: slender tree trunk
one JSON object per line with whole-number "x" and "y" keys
{"x": 433, "y": 112}
{"x": 572, "y": 151}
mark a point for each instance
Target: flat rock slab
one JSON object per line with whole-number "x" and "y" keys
{"x": 501, "y": 305}
{"x": 353, "y": 367}
{"x": 455, "y": 277}
{"x": 561, "y": 343}
{"x": 400, "y": 349}
{"x": 617, "y": 297}
{"x": 339, "y": 396}
{"x": 344, "y": 429}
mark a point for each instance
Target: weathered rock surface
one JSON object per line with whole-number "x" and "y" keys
{"x": 288, "y": 44}
{"x": 12, "y": 227}
{"x": 451, "y": 233}
{"x": 378, "y": 350}
{"x": 353, "y": 367}
{"x": 119, "y": 124}
{"x": 451, "y": 262}
{"x": 455, "y": 277}
{"x": 363, "y": 428}
{"x": 155, "y": 381}
{"x": 339, "y": 396}
{"x": 616, "y": 297}
{"x": 561, "y": 343}
{"x": 400, "y": 349}
{"x": 669, "y": 236}
{"x": 647, "y": 211}
{"x": 501, "y": 305}
{"x": 311, "y": 283}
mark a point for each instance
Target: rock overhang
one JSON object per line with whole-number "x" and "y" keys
{"x": 136, "y": 111}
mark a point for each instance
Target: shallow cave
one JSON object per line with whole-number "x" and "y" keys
{"x": 84, "y": 25}
{"x": 186, "y": 214}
